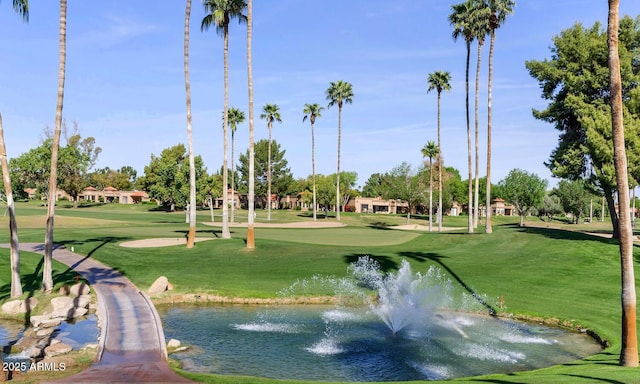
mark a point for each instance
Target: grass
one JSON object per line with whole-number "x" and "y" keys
{"x": 553, "y": 273}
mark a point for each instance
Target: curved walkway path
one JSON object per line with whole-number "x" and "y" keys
{"x": 132, "y": 346}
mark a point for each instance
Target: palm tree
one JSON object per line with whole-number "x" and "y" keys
{"x": 271, "y": 113}
{"x": 22, "y": 8}
{"x": 439, "y": 80}
{"x": 311, "y": 112}
{"x": 220, "y": 13}
{"x": 460, "y": 19}
{"x": 338, "y": 93}
{"x": 236, "y": 117}
{"x": 191, "y": 238}
{"x": 629, "y": 350}
{"x": 250, "y": 230}
{"x": 47, "y": 277}
{"x": 431, "y": 150}
{"x": 480, "y": 28}
{"x": 16, "y": 285}
{"x": 499, "y": 10}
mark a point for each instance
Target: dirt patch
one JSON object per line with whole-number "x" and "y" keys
{"x": 160, "y": 242}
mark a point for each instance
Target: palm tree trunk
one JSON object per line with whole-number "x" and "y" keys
{"x": 47, "y": 277}
{"x": 487, "y": 225}
{"x": 338, "y": 174}
{"x": 233, "y": 184}
{"x": 431, "y": 190}
{"x": 476, "y": 199}
{"x": 313, "y": 170}
{"x": 191, "y": 238}
{"x": 250, "y": 198}
{"x": 225, "y": 173}
{"x": 629, "y": 350}
{"x": 269, "y": 177}
{"x": 16, "y": 285}
{"x": 470, "y": 195}
{"x": 439, "y": 161}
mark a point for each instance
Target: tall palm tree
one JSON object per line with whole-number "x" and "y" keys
{"x": 236, "y": 117}
{"x": 47, "y": 277}
{"x": 431, "y": 150}
{"x": 480, "y": 28}
{"x": 271, "y": 113}
{"x": 629, "y": 350}
{"x": 499, "y": 10}
{"x": 22, "y": 8}
{"x": 311, "y": 112}
{"x": 338, "y": 93}
{"x": 460, "y": 19}
{"x": 250, "y": 229}
{"x": 440, "y": 81}
{"x": 219, "y": 13}
{"x": 191, "y": 238}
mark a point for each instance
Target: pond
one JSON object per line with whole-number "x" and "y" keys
{"x": 76, "y": 333}
{"x": 353, "y": 344}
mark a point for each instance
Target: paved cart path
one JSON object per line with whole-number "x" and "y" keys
{"x": 132, "y": 346}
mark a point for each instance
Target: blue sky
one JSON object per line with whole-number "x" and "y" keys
{"x": 125, "y": 80}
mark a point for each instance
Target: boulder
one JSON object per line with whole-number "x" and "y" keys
{"x": 64, "y": 290}
{"x": 45, "y": 332}
{"x": 82, "y": 301}
{"x": 57, "y": 349}
{"x": 80, "y": 289}
{"x": 68, "y": 313}
{"x": 173, "y": 343}
{"x": 160, "y": 285}
{"x": 61, "y": 303}
{"x": 19, "y": 306}
{"x": 37, "y": 320}
{"x": 49, "y": 323}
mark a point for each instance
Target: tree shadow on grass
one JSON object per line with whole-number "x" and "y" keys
{"x": 101, "y": 242}
{"x": 563, "y": 234}
{"x": 217, "y": 233}
{"x": 594, "y": 379}
{"x": 438, "y": 259}
{"x": 386, "y": 263}
{"x": 389, "y": 264}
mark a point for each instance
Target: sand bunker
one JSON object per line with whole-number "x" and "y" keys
{"x": 160, "y": 242}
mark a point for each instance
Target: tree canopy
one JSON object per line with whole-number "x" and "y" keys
{"x": 75, "y": 160}
{"x": 166, "y": 178}
{"x": 524, "y": 190}
{"x": 575, "y": 81}
{"x": 281, "y": 176}
{"x": 406, "y": 184}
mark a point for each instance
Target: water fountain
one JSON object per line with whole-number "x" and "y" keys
{"x": 408, "y": 327}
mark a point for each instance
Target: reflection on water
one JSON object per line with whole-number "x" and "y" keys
{"x": 353, "y": 344}
{"x": 76, "y": 333}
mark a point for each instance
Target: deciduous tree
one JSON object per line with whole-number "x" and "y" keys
{"x": 524, "y": 190}
{"x": 166, "y": 178}
{"x": 406, "y": 184}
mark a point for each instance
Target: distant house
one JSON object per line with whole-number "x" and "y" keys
{"x": 498, "y": 208}
{"x": 31, "y": 193}
{"x": 376, "y": 205}
{"x": 113, "y": 195}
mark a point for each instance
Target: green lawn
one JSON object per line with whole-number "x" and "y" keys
{"x": 552, "y": 273}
